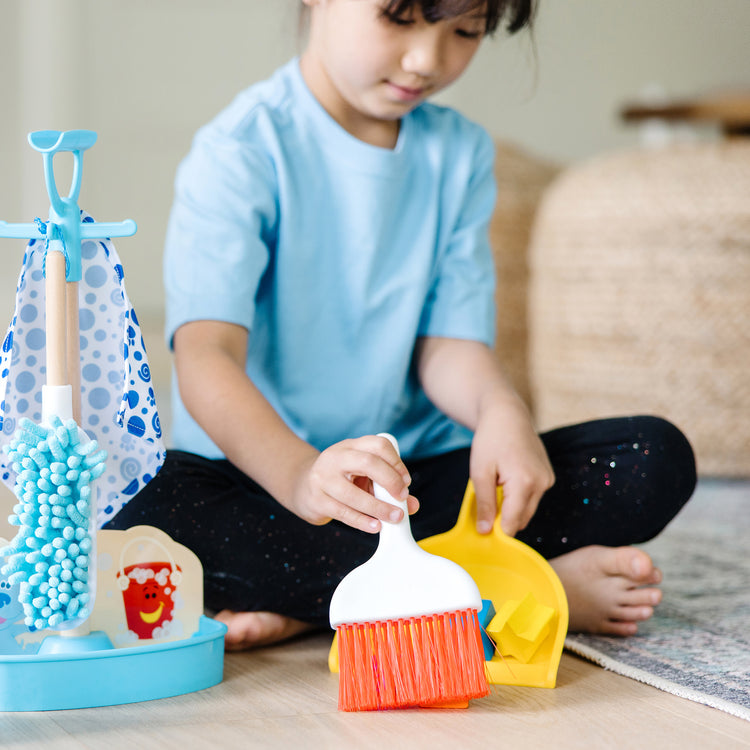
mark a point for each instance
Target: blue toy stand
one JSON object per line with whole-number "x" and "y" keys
{"x": 110, "y": 677}
{"x": 64, "y": 213}
{"x": 82, "y": 671}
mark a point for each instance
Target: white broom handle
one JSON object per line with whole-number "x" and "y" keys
{"x": 55, "y": 311}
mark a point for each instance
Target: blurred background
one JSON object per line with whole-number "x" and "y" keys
{"x": 145, "y": 74}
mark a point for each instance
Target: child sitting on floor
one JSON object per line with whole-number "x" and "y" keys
{"x": 329, "y": 277}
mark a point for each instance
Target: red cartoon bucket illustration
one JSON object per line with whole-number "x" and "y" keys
{"x": 148, "y": 591}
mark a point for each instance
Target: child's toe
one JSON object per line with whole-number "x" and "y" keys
{"x": 617, "y": 627}
{"x": 633, "y": 614}
{"x": 631, "y": 563}
{"x": 643, "y": 597}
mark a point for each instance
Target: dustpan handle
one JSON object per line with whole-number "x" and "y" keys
{"x": 467, "y": 516}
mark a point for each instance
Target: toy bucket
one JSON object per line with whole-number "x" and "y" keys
{"x": 148, "y": 592}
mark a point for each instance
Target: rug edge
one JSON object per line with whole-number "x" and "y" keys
{"x": 640, "y": 675}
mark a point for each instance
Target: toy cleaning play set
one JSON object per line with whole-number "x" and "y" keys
{"x": 524, "y": 611}
{"x": 92, "y": 617}
{"x": 87, "y": 617}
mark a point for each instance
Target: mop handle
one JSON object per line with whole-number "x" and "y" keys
{"x": 73, "y": 346}
{"x": 56, "y": 314}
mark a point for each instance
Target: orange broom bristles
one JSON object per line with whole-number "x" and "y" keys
{"x": 417, "y": 661}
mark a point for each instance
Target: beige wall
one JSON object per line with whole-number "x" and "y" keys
{"x": 146, "y": 73}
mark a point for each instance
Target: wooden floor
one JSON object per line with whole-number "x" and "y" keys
{"x": 284, "y": 697}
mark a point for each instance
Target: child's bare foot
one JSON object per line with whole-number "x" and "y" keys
{"x": 247, "y": 630}
{"x": 609, "y": 589}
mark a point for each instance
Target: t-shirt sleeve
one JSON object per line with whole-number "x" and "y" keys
{"x": 461, "y": 301}
{"x": 220, "y": 232}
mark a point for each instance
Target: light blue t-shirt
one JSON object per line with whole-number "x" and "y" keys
{"x": 337, "y": 256}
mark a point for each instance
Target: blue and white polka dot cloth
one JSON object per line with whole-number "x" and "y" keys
{"x": 118, "y": 407}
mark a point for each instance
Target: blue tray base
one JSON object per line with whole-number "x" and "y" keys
{"x": 56, "y": 681}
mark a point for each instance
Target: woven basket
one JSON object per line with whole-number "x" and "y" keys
{"x": 640, "y": 296}
{"x": 521, "y": 182}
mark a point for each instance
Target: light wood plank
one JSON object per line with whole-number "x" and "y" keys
{"x": 284, "y": 697}
{"x": 23, "y": 731}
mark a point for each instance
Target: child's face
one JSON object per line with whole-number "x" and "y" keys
{"x": 369, "y": 70}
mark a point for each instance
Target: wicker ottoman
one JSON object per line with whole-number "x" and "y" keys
{"x": 522, "y": 179}
{"x": 640, "y": 296}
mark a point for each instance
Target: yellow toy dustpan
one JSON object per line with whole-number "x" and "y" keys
{"x": 532, "y": 611}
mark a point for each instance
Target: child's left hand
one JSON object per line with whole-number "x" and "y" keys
{"x": 465, "y": 380}
{"x": 507, "y": 451}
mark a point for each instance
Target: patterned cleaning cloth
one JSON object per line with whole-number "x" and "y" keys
{"x": 118, "y": 406}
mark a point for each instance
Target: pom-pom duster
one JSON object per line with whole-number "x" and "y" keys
{"x": 49, "y": 556}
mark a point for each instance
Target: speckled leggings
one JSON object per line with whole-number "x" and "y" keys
{"x": 618, "y": 481}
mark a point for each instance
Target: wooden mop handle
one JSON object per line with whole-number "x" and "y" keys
{"x": 55, "y": 311}
{"x": 61, "y": 311}
{"x": 73, "y": 346}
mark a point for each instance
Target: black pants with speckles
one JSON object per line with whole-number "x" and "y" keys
{"x": 618, "y": 481}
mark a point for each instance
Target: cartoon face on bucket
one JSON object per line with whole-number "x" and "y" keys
{"x": 149, "y": 592}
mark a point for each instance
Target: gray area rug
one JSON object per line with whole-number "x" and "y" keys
{"x": 697, "y": 645}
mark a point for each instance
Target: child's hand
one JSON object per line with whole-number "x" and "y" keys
{"x": 337, "y": 484}
{"x": 507, "y": 451}
{"x": 465, "y": 380}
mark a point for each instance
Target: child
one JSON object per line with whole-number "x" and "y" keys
{"x": 329, "y": 277}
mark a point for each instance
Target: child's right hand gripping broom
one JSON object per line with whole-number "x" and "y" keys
{"x": 407, "y": 627}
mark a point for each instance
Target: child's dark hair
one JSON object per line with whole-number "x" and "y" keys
{"x": 514, "y": 13}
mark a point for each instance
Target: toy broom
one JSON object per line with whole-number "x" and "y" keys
{"x": 407, "y": 627}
